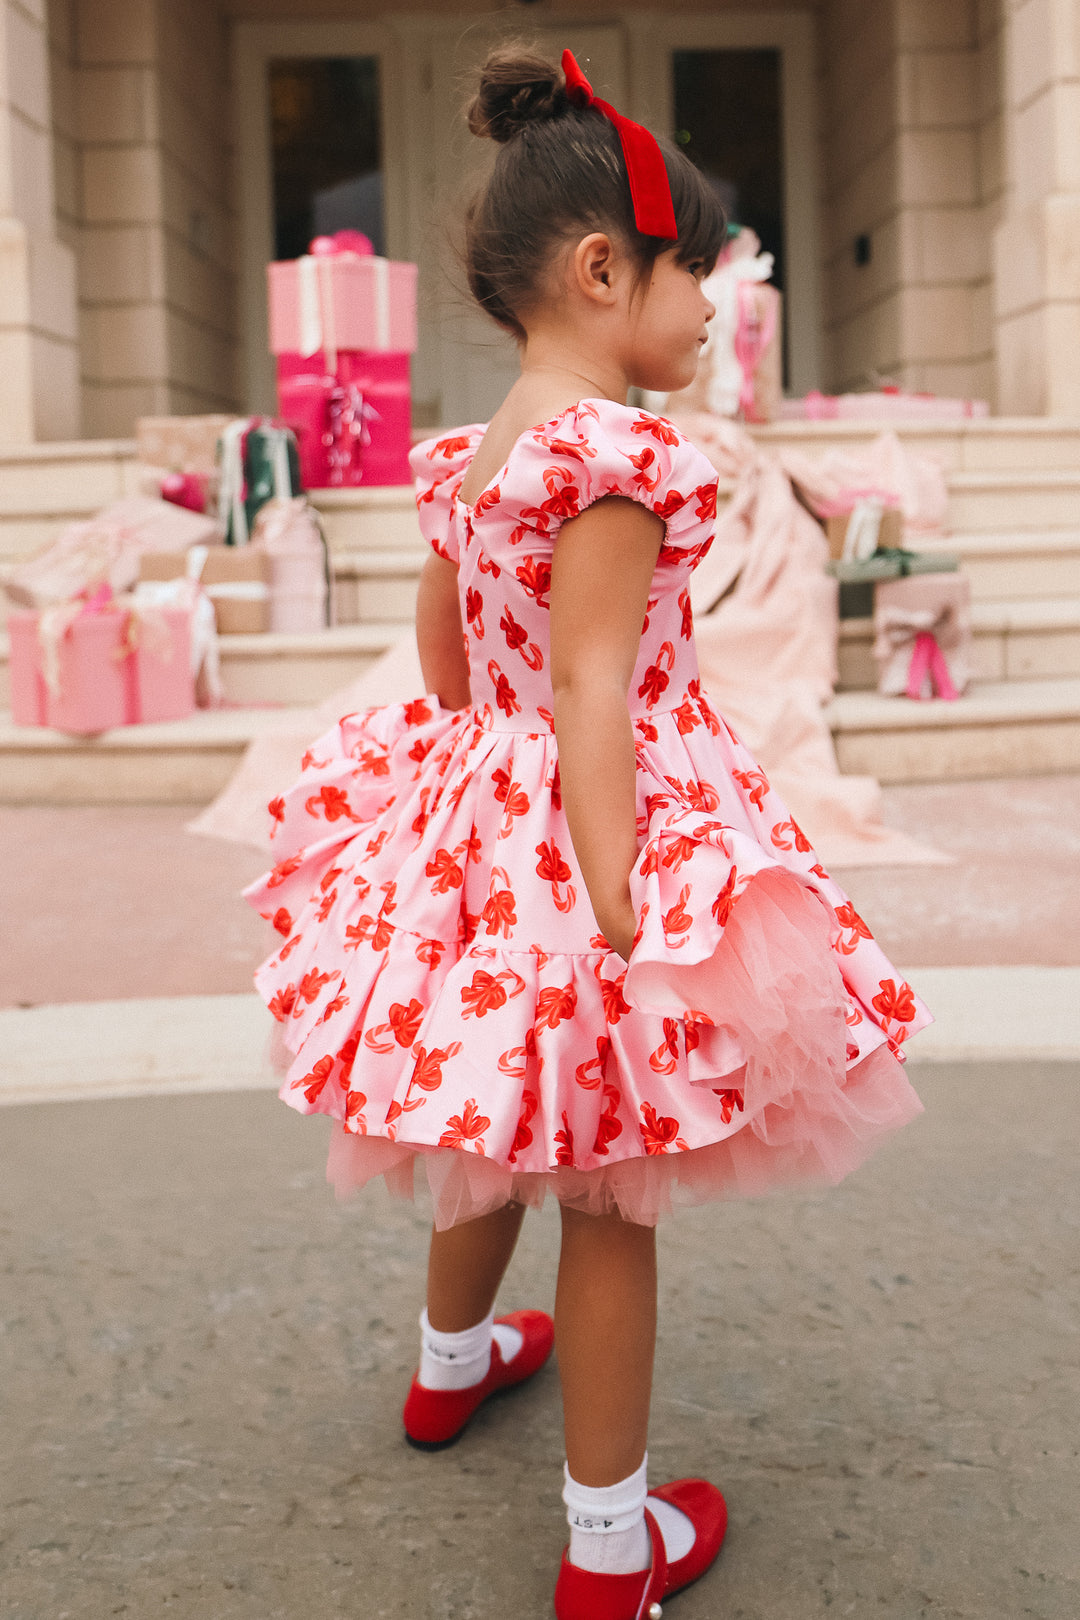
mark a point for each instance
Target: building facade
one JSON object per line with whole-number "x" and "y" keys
{"x": 914, "y": 165}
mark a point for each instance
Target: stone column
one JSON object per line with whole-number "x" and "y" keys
{"x": 1037, "y": 244}
{"x": 39, "y": 367}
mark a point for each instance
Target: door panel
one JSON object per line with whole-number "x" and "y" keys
{"x": 478, "y": 363}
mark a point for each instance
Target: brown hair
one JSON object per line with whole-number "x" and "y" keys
{"x": 560, "y": 169}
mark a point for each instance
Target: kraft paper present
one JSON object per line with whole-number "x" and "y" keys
{"x": 235, "y": 578}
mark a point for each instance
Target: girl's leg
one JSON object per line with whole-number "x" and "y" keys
{"x": 466, "y": 1265}
{"x": 605, "y": 1337}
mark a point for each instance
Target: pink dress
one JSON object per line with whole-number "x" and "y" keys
{"x": 443, "y": 985}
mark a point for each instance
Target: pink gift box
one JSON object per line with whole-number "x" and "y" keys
{"x": 342, "y": 301}
{"x": 353, "y": 421}
{"x": 885, "y": 405}
{"x": 113, "y": 666}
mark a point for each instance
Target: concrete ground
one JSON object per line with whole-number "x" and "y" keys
{"x": 115, "y": 902}
{"x": 203, "y": 1357}
{"x": 202, "y": 1361}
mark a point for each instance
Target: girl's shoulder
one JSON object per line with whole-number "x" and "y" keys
{"x": 600, "y": 448}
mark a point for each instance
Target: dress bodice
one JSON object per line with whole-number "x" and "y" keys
{"x": 503, "y": 546}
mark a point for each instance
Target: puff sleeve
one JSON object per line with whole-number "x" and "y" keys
{"x": 601, "y": 448}
{"x": 438, "y": 466}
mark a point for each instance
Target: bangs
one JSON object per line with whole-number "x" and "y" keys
{"x": 699, "y": 214}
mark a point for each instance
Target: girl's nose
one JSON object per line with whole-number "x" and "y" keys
{"x": 710, "y": 310}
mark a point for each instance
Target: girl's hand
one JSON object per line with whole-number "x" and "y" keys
{"x": 618, "y": 927}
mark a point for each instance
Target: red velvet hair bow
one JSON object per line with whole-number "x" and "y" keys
{"x": 650, "y": 190}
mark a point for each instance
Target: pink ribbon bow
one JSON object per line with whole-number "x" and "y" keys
{"x": 928, "y": 669}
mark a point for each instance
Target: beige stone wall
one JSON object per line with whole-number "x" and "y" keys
{"x": 1037, "y": 246}
{"x": 157, "y": 280}
{"x": 861, "y": 314}
{"x": 911, "y": 129}
{"x": 39, "y": 394}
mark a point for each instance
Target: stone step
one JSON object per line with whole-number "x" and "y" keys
{"x": 1000, "y": 728}
{"x": 45, "y": 486}
{"x": 1005, "y": 566}
{"x": 1017, "y": 499}
{"x": 992, "y": 444}
{"x": 380, "y": 583}
{"x": 377, "y": 585}
{"x": 382, "y": 519}
{"x": 175, "y": 762}
{"x": 1011, "y": 641}
{"x": 1014, "y": 500}
{"x": 285, "y": 669}
{"x": 1004, "y": 473}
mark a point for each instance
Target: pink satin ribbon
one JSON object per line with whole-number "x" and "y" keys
{"x": 752, "y": 338}
{"x": 927, "y": 658}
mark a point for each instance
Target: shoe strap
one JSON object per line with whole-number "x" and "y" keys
{"x": 657, "y": 1579}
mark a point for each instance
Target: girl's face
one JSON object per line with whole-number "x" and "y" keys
{"x": 667, "y": 325}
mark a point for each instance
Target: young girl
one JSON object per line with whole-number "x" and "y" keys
{"x": 548, "y": 929}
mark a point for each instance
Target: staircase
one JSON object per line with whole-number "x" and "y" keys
{"x": 1015, "y": 509}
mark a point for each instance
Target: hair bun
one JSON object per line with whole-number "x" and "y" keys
{"x": 516, "y": 88}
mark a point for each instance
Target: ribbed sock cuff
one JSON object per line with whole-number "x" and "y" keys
{"x": 454, "y": 1360}
{"x": 606, "y": 1509}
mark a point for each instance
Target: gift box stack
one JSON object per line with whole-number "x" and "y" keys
{"x": 919, "y": 601}
{"x": 864, "y": 529}
{"x": 90, "y": 648}
{"x": 342, "y": 327}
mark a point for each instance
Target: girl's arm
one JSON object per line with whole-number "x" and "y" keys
{"x": 600, "y": 578}
{"x": 438, "y": 634}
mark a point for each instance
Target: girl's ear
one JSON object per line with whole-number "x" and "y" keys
{"x": 593, "y": 268}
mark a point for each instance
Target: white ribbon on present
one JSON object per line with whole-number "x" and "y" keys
{"x": 317, "y": 329}
{"x": 863, "y": 529}
{"x": 238, "y": 590}
{"x": 53, "y": 625}
{"x": 382, "y": 302}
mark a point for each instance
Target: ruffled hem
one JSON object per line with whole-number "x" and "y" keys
{"x": 751, "y": 1042}
{"x": 765, "y": 1156}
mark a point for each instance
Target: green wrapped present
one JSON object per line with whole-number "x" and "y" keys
{"x": 259, "y": 463}
{"x": 858, "y": 578}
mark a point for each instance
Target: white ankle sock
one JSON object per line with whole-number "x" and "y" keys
{"x": 460, "y": 1360}
{"x": 608, "y": 1533}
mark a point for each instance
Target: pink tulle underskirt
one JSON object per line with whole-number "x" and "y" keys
{"x": 812, "y": 1110}
{"x": 464, "y": 1185}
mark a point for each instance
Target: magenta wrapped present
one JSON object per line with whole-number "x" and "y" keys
{"x": 352, "y": 418}
{"x": 340, "y": 299}
{"x": 92, "y": 664}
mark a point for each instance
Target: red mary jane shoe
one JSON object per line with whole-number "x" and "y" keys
{"x": 580, "y": 1594}
{"x": 435, "y": 1418}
